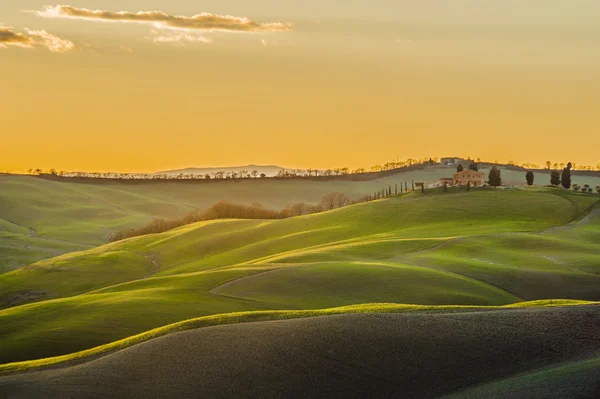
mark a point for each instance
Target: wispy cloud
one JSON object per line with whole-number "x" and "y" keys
{"x": 178, "y": 37}
{"x": 406, "y": 43}
{"x": 51, "y": 42}
{"x": 266, "y": 42}
{"x": 203, "y": 21}
{"x": 34, "y": 38}
{"x": 8, "y": 37}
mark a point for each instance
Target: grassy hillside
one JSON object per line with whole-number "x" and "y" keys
{"x": 367, "y": 351}
{"x": 40, "y": 218}
{"x": 576, "y": 379}
{"x": 484, "y": 247}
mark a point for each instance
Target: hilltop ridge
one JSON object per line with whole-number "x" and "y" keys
{"x": 268, "y": 170}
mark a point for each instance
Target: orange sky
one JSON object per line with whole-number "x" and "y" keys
{"x": 350, "y": 85}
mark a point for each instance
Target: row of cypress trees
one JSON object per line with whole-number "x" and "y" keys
{"x": 388, "y": 192}
{"x": 561, "y": 179}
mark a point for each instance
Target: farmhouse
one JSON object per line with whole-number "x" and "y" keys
{"x": 471, "y": 177}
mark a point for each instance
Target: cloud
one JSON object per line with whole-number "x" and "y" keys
{"x": 51, "y": 42}
{"x": 406, "y": 43}
{"x": 178, "y": 37}
{"x": 203, "y": 21}
{"x": 8, "y": 37}
{"x": 34, "y": 38}
{"x": 266, "y": 42}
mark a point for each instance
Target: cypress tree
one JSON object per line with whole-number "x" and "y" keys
{"x": 566, "y": 177}
{"x": 396, "y": 192}
{"x": 474, "y": 167}
{"x": 495, "y": 177}
{"x": 459, "y": 168}
{"x": 555, "y": 178}
{"x": 413, "y": 185}
{"x": 529, "y": 177}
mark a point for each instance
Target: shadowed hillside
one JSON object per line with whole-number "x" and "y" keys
{"x": 473, "y": 354}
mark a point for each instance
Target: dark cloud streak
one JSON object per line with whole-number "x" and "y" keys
{"x": 8, "y": 37}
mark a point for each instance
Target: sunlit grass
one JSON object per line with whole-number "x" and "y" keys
{"x": 482, "y": 248}
{"x": 256, "y": 316}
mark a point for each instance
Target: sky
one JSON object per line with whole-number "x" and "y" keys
{"x": 141, "y": 86}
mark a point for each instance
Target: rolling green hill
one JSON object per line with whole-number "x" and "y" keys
{"x": 484, "y": 247}
{"x": 381, "y": 350}
{"x": 40, "y": 219}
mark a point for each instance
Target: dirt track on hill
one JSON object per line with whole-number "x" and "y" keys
{"x": 358, "y": 355}
{"x": 584, "y": 220}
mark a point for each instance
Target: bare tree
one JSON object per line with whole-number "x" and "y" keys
{"x": 298, "y": 209}
{"x": 334, "y": 200}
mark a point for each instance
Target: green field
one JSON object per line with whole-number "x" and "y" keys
{"x": 481, "y": 248}
{"x": 40, "y": 219}
{"x": 546, "y": 349}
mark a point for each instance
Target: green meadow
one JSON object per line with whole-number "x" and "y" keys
{"x": 40, "y": 219}
{"x": 483, "y": 248}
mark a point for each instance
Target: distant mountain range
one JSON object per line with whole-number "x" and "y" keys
{"x": 269, "y": 170}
